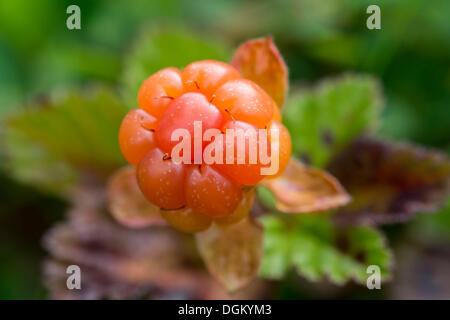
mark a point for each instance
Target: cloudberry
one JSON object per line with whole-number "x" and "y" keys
{"x": 247, "y": 173}
{"x": 243, "y": 100}
{"x": 241, "y": 211}
{"x": 158, "y": 91}
{"x": 210, "y": 193}
{"x": 161, "y": 180}
{"x": 136, "y": 136}
{"x": 181, "y": 114}
{"x": 284, "y": 146}
{"x": 205, "y": 95}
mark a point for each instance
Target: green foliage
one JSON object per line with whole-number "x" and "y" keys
{"x": 10, "y": 90}
{"x": 322, "y": 38}
{"x": 65, "y": 62}
{"x": 158, "y": 49}
{"x": 322, "y": 121}
{"x": 325, "y": 119}
{"x": 31, "y": 163}
{"x": 316, "y": 250}
{"x": 266, "y": 197}
{"x": 77, "y": 131}
{"x": 433, "y": 226}
{"x": 26, "y": 213}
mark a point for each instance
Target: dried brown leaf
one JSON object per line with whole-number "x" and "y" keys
{"x": 232, "y": 253}
{"x": 390, "y": 182}
{"x": 126, "y": 202}
{"x": 123, "y": 263}
{"x": 260, "y": 61}
{"x": 303, "y": 189}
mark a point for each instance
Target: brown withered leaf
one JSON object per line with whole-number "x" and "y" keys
{"x": 303, "y": 189}
{"x": 260, "y": 61}
{"x": 390, "y": 182}
{"x": 126, "y": 202}
{"x": 123, "y": 263}
{"x": 232, "y": 253}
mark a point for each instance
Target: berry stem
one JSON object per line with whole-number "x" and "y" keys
{"x": 229, "y": 113}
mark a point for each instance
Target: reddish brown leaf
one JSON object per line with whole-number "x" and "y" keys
{"x": 260, "y": 61}
{"x": 126, "y": 202}
{"x": 390, "y": 182}
{"x": 123, "y": 263}
{"x": 302, "y": 189}
{"x": 232, "y": 253}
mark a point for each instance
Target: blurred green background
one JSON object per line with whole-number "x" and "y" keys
{"x": 38, "y": 54}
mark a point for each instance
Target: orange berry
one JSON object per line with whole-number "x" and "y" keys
{"x": 285, "y": 145}
{"x": 207, "y": 75}
{"x": 136, "y": 135}
{"x": 186, "y": 220}
{"x": 181, "y": 114}
{"x": 210, "y": 193}
{"x": 243, "y": 100}
{"x": 276, "y": 114}
{"x": 241, "y": 211}
{"x": 158, "y": 91}
{"x": 247, "y": 173}
{"x": 161, "y": 181}
{"x": 212, "y": 93}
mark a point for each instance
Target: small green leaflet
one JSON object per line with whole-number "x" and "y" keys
{"x": 325, "y": 119}
{"x": 75, "y": 131}
{"x": 315, "y": 249}
{"x": 31, "y": 163}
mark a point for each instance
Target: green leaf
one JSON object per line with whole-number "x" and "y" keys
{"x": 64, "y": 62}
{"x": 316, "y": 250}
{"x": 323, "y": 120}
{"x": 266, "y": 197}
{"x": 158, "y": 49}
{"x": 434, "y": 226}
{"x": 11, "y": 92}
{"x": 31, "y": 163}
{"x": 74, "y": 131}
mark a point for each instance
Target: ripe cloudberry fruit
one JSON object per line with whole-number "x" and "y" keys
{"x": 158, "y": 91}
{"x": 161, "y": 180}
{"x": 206, "y": 95}
{"x": 284, "y": 146}
{"x": 241, "y": 211}
{"x": 181, "y": 114}
{"x": 136, "y": 136}
{"x": 243, "y": 100}
{"x": 247, "y": 173}
{"x": 210, "y": 193}
{"x": 207, "y": 76}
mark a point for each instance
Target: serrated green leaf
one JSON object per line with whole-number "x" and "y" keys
{"x": 32, "y": 164}
{"x": 158, "y": 49}
{"x": 316, "y": 250}
{"x": 325, "y": 119}
{"x": 75, "y": 131}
